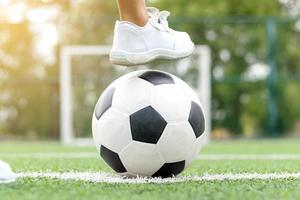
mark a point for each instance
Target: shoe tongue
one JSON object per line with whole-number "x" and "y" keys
{"x": 159, "y": 17}
{"x": 164, "y": 15}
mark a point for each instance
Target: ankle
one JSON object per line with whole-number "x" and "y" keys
{"x": 140, "y": 19}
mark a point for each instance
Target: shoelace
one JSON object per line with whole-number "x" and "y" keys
{"x": 159, "y": 18}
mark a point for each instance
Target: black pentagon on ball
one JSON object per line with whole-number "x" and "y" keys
{"x": 157, "y": 78}
{"x": 196, "y": 119}
{"x": 104, "y": 103}
{"x": 170, "y": 169}
{"x": 147, "y": 125}
{"x": 112, "y": 159}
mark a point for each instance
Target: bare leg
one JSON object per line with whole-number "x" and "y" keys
{"x": 133, "y": 11}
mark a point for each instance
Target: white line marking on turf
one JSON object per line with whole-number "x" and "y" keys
{"x": 7, "y": 181}
{"x": 50, "y": 155}
{"x": 110, "y": 178}
{"x": 249, "y": 157}
{"x": 199, "y": 157}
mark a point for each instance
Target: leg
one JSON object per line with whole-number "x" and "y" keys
{"x": 133, "y": 11}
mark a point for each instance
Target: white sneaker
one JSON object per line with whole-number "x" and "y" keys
{"x": 6, "y": 174}
{"x": 134, "y": 45}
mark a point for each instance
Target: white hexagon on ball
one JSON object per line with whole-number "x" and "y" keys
{"x": 132, "y": 95}
{"x": 141, "y": 158}
{"x": 113, "y": 131}
{"x": 186, "y": 89}
{"x": 192, "y": 154}
{"x": 176, "y": 142}
{"x": 166, "y": 99}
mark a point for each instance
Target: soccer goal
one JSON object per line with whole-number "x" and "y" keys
{"x": 200, "y": 76}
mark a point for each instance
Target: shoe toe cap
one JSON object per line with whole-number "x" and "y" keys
{"x": 183, "y": 42}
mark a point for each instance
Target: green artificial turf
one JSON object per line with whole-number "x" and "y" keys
{"x": 54, "y": 189}
{"x": 42, "y": 188}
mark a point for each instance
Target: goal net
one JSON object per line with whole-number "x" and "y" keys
{"x": 85, "y": 71}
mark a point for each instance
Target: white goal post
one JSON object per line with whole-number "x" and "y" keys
{"x": 66, "y": 110}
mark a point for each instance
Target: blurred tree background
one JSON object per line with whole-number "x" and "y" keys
{"x": 245, "y": 90}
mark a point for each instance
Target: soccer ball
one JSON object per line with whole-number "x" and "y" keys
{"x": 148, "y": 123}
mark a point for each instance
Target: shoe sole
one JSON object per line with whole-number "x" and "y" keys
{"x": 130, "y": 59}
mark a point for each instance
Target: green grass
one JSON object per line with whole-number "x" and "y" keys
{"x": 42, "y": 188}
